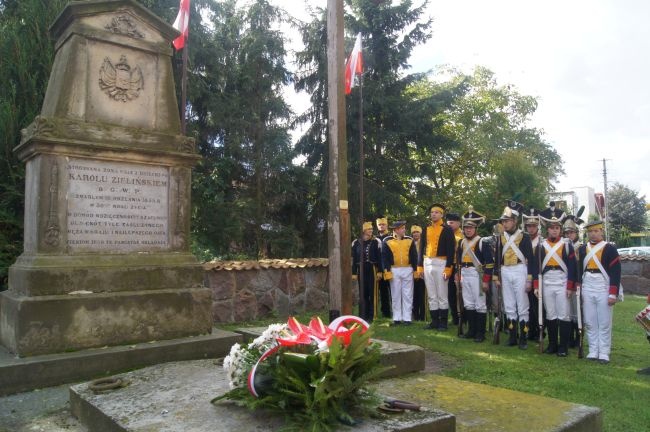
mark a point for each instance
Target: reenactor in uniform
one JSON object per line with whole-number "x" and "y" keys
{"x": 475, "y": 264}
{"x": 558, "y": 273}
{"x": 531, "y": 225}
{"x": 572, "y": 233}
{"x": 516, "y": 266}
{"x": 419, "y": 291}
{"x": 436, "y": 262}
{"x": 453, "y": 220}
{"x": 371, "y": 259}
{"x": 599, "y": 273}
{"x": 399, "y": 261}
{"x": 384, "y": 286}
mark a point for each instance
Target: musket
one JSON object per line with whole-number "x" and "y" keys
{"x": 580, "y": 332}
{"x": 540, "y": 301}
{"x": 459, "y": 299}
{"x": 497, "y": 318}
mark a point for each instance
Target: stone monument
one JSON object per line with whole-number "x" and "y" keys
{"x": 106, "y": 257}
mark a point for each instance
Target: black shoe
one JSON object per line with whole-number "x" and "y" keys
{"x": 480, "y": 321}
{"x": 443, "y": 316}
{"x": 433, "y": 325}
{"x": 512, "y": 331}
{"x": 551, "y": 326}
{"x": 396, "y": 323}
{"x": 407, "y": 323}
{"x": 523, "y": 335}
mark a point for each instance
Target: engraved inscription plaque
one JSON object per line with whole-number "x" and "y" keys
{"x": 114, "y": 206}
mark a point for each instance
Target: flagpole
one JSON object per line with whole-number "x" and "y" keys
{"x": 362, "y": 264}
{"x": 184, "y": 88}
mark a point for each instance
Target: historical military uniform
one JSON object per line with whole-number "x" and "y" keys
{"x": 436, "y": 260}
{"x": 419, "y": 290}
{"x": 532, "y": 225}
{"x": 475, "y": 264}
{"x": 516, "y": 266}
{"x": 599, "y": 271}
{"x": 453, "y": 220}
{"x": 571, "y": 232}
{"x": 558, "y": 270}
{"x": 368, "y": 252}
{"x": 384, "y": 285}
{"x": 399, "y": 260}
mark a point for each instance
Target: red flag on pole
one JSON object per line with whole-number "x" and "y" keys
{"x": 182, "y": 24}
{"x": 354, "y": 65}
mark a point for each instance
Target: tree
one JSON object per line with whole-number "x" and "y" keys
{"x": 495, "y": 153}
{"x": 27, "y": 54}
{"x": 626, "y": 213}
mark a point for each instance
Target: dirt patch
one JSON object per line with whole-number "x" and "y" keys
{"x": 437, "y": 363}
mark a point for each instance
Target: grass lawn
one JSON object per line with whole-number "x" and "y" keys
{"x": 616, "y": 388}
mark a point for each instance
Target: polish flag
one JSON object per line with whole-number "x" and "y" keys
{"x": 354, "y": 65}
{"x": 182, "y": 24}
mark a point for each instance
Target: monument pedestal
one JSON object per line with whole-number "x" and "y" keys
{"x": 106, "y": 256}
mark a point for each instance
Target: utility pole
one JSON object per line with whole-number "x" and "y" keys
{"x": 338, "y": 233}
{"x": 606, "y": 204}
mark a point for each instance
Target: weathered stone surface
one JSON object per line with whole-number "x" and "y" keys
{"x": 315, "y": 278}
{"x": 222, "y": 284}
{"x": 282, "y": 305}
{"x": 167, "y": 398}
{"x": 295, "y": 283}
{"x": 316, "y": 299}
{"x": 245, "y": 306}
{"x": 106, "y": 256}
{"x": 46, "y": 324}
{"x": 266, "y": 304}
{"x": 36, "y": 372}
{"x": 223, "y": 311}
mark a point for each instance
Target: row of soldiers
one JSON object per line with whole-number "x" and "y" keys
{"x": 535, "y": 279}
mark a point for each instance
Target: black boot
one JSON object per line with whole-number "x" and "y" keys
{"x": 574, "y": 335}
{"x": 433, "y": 325}
{"x": 471, "y": 330}
{"x": 512, "y": 330}
{"x": 442, "y": 319}
{"x": 565, "y": 331}
{"x": 480, "y": 320}
{"x": 551, "y": 326}
{"x": 523, "y": 335}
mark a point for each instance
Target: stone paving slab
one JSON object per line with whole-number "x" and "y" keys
{"x": 480, "y": 407}
{"x": 176, "y": 397}
{"x": 19, "y": 374}
{"x": 403, "y": 358}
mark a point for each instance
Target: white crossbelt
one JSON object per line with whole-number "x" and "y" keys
{"x": 552, "y": 253}
{"x": 468, "y": 249}
{"x": 510, "y": 244}
{"x": 591, "y": 255}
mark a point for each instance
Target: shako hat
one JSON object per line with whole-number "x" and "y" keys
{"x": 595, "y": 224}
{"x": 472, "y": 218}
{"x": 512, "y": 210}
{"x": 453, "y": 217}
{"x": 573, "y": 222}
{"x": 531, "y": 217}
{"x": 552, "y": 215}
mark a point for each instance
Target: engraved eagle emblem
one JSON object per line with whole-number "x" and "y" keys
{"x": 120, "y": 82}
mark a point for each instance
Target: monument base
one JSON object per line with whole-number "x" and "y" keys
{"x": 176, "y": 396}
{"x": 63, "y": 323}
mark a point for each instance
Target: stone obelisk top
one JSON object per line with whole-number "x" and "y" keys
{"x": 106, "y": 257}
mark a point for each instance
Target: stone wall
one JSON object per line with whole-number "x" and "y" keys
{"x": 249, "y": 290}
{"x": 635, "y": 274}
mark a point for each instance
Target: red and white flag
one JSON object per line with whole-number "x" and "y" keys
{"x": 354, "y": 65}
{"x": 182, "y": 24}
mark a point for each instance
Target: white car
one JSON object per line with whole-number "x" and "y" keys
{"x": 635, "y": 250}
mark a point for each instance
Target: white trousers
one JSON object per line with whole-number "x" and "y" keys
{"x": 473, "y": 295}
{"x": 513, "y": 287}
{"x": 437, "y": 286}
{"x": 554, "y": 295}
{"x": 401, "y": 291}
{"x": 597, "y": 315}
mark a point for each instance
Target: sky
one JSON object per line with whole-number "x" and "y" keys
{"x": 586, "y": 62}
